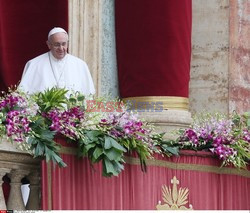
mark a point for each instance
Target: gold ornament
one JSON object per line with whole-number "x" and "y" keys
{"x": 174, "y": 199}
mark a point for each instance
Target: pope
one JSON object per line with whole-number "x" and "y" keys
{"x": 57, "y": 68}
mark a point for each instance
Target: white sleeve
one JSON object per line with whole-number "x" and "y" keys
{"x": 24, "y": 84}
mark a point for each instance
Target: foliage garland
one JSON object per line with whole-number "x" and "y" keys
{"x": 105, "y": 130}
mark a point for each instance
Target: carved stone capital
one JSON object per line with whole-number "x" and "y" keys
{"x": 17, "y": 175}
{"x": 3, "y": 171}
{"x": 34, "y": 177}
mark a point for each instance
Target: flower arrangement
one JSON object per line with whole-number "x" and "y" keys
{"x": 226, "y": 138}
{"x": 34, "y": 121}
{"x": 104, "y": 130}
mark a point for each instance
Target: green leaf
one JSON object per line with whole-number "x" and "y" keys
{"x": 113, "y": 154}
{"x": 97, "y": 153}
{"x": 89, "y": 146}
{"x": 107, "y": 142}
{"x": 72, "y": 100}
{"x": 47, "y": 134}
{"x": 57, "y": 159}
{"x": 51, "y": 98}
{"x": 93, "y": 134}
{"x": 84, "y": 141}
{"x": 81, "y": 151}
{"x": 38, "y": 122}
{"x": 48, "y": 154}
{"x": 119, "y": 166}
{"x": 51, "y": 155}
{"x": 172, "y": 150}
{"x": 111, "y": 142}
{"x": 248, "y": 123}
{"x": 108, "y": 168}
{"x": 32, "y": 141}
{"x": 169, "y": 142}
{"x": 61, "y": 164}
{"x": 39, "y": 149}
{"x": 80, "y": 98}
{"x": 246, "y": 114}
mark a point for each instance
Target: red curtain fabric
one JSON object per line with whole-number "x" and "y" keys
{"x": 6, "y": 187}
{"x": 153, "y": 40}
{"x": 81, "y": 186}
{"x": 24, "y": 26}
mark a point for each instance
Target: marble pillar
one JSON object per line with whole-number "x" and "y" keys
{"x": 15, "y": 201}
{"x": 34, "y": 197}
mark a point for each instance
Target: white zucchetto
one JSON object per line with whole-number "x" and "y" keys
{"x": 56, "y": 30}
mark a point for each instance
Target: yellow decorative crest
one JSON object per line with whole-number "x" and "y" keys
{"x": 174, "y": 199}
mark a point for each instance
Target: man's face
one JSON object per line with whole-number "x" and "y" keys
{"x": 58, "y": 44}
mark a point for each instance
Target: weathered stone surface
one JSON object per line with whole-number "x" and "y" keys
{"x": 17, "y": 160}
{"x": 209, "y": 82}
{"x": 210, "y": 25}
{"x": 239, "y": 63}
{"x": 209, "y": 66}
{"x": 168, "y": 121}
{"x": 220, "y": 77}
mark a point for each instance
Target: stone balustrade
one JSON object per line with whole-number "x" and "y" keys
{"x": 17, "y": 165}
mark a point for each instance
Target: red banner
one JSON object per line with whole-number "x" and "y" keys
{"x": 81, "y": 186}
{"x": 153, "y": 40}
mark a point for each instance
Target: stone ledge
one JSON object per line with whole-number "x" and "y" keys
{"x": 11, "y": 157}
{"x": 9, "y": 147}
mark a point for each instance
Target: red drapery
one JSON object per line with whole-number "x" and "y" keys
{"x": 24, "y": 26}
{"x": 81, "y": 187}
{"x": 153, "y": 40}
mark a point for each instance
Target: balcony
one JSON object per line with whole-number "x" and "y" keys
{"x": 20, "y": 179}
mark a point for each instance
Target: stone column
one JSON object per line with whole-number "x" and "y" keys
{"x": 153, "y": 43}
{"x": 34, "y": 197}
{"x": 166, "y": 113}
{"x": 3, "y": 171}
{"x": 85, "y": 34}
{"x": 168, "y": 120}
{"x": 15, "y": 201}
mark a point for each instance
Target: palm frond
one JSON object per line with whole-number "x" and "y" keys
{"x": 167, "y": 195}
{"x": 182, "y": 197}
{"x": 51, "y": 98}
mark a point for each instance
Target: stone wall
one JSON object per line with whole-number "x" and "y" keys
{"x": 239, "y": 61}
{"x": 220, "y": 76}
{"x": 210, "y": 54}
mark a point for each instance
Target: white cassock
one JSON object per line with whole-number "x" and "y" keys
{"x": 45, "y": 72}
